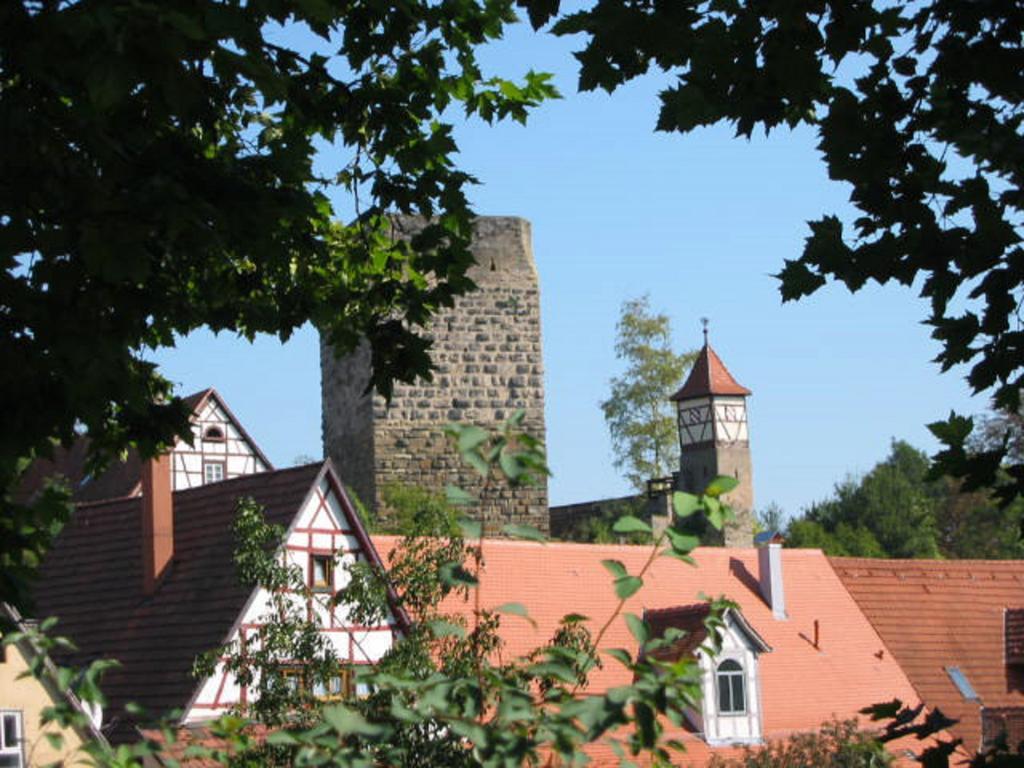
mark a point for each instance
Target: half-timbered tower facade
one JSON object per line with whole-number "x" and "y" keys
{"x": 714, "y": 438}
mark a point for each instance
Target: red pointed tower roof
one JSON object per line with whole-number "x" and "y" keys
{"x": 709, "y": 376}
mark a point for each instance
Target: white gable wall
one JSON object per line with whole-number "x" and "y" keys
{"x": 321, "y": 527}
{"x": 233, "y": 454}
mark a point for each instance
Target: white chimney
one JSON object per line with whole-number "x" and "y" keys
{"x": 769, "y": 561}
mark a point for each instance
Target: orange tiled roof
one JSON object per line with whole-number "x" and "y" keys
{"x": 939, "y": 614}
{"x": 801, "y": 686}
{"x": 709, "y": 376}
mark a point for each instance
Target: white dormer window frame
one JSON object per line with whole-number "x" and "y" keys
{"x": 739, "y": 653}
{"x": 730, "y": 685}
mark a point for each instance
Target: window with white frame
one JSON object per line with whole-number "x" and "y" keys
{"x": 730, "y": 680}
{"x": 11, "y": 753}
{"x": 213, "y": 471}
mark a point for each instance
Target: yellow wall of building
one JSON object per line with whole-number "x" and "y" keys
{"x": 29, "y": 696}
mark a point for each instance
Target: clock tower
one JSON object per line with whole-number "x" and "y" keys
{"x": 714, "y": 439}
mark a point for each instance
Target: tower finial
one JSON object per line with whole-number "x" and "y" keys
{"x": 705, "y": 321}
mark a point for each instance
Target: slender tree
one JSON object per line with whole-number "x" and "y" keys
{"x": 638, "y": 412}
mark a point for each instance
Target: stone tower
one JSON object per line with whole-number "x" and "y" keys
{"x": 714, "y": 439}
{"x": 487, "y": 353}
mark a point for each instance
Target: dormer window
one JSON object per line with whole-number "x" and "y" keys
{"x": 730, "y": 680}
{"x": 730, "y": 709}
{"x": 213, "y": 434}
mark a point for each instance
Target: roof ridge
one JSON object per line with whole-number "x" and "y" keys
{"x": 250, "y": 478}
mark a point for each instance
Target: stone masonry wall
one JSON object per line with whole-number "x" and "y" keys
{"x": 487, "y": 352}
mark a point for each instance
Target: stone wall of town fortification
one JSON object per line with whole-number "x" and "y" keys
{"x": 487, "y": 353}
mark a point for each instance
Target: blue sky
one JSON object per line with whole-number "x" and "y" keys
{"x": 698, "y": 222}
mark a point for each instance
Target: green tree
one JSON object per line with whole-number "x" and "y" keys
{"x": 889, "y": 512}
{"x": 899, "y": 509}
{"x": 639, "y": 415}
{"x": 158, "y": 178}
{"x": 917, "y": 108}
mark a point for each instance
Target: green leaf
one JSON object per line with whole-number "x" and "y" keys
{"x": 281, "y": 738}
{"x": 345, "y": 721}
{"x": 685, "y": 504}
{"x": 470, "y": 437}
{"x": 515, "y": 609}
{"x": 471, "y": 529}
{"x": 442, "y": 628}
{"x": 454, "y": 575}
{"x": 614, "y": 567}
{"x": 681, "y": 543}
{"x": 627, "y": 586}
{"x": 721, "y": 485}
{"x": 638, "y": 627}
{"x": 630, "y": 524}
{"x": 477, "y": 462}
{"x": 457, "y": 497}
{"x": 521, "y": 531}
{"x": 621, "y": 655}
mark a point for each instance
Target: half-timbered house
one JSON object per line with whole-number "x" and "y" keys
{"x": 218, "y": 448}
{"x": 150, "y": 580}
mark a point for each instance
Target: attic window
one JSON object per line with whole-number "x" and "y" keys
{"x": 213, "y": 471}
{"x": 213, "y": 434}
{"x": 962, "y": 683}
{"x": 322, "y": 567}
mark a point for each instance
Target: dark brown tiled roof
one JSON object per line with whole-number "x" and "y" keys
{"x": 709, "y": 376}
{"x": 92, "y": 580}
{"x": 689, "y": 619}
{"x": 934, "y": 615}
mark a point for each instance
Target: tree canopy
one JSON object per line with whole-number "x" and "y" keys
{"x": 159, "y": 176}
{"x": 897, "y": 509}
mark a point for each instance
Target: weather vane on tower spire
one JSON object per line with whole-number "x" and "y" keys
{"x": 704, "y": 321}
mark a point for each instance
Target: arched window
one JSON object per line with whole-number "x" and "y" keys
{"x": 214, "y": 435}
{"x": 732, "y": 688}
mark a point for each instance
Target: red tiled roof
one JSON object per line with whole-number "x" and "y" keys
{"x": 92, "y": 580}
{"x": 934, "y": 615}
{"x": 801, "y": 686}
{"x": 709, "y": 376}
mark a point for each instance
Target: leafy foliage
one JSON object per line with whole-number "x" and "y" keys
{"x": 899, "y": 509}
{"x": 640, "y": 417}
{"x": 838, "y": 744}
{"x": 917, "y": 108}
{"x": 159, "y": 178}
{"x": 289, "y": 639}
